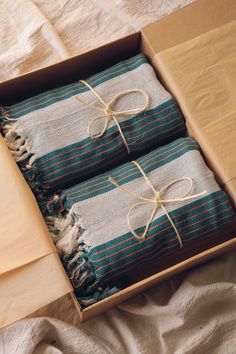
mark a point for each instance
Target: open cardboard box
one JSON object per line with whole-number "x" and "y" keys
{"x": 31, "y": 275}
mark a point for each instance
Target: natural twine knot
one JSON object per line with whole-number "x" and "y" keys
{"x": 55, "y": 198}
{"x": 157, "y": 201}
{"x": 109, "y": 113}
{"x": 156, "y": 198}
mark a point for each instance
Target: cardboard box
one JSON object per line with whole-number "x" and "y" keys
{"x": 37, "y": 275}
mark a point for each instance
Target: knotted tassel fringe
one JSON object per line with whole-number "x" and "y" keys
{"x": 64, "y": 226}
{"x": 17, "y": 144}
{"x": 21, "y": 151}
{"x": 67, "y": 234}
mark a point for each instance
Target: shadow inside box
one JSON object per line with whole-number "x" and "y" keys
{"x": 153, "y": 266}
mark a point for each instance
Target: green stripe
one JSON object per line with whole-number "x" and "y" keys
{"x": 120, "y": 261}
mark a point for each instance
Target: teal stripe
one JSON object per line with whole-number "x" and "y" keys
{"x": 122, "y": 173}
{"x": 191, "y": 210}
{"x": 76, "y": 160}
{"x": 213, "y": 213}
{"x": 47, "y": 98}
{"x": 115, "y": 159}
{"x": 162, "y": 252}
{"x": 172, "y": 123}
{"x": 221, "y": 214}
{"x": 134, "y": 122}
{"x": 167, "y": 110}
{"x": 115, "y": 262}
{"x": 123, "y": 180}
{"x": 129, "y": 172}
{"x": 52, "y": 169}
{"x": 167, "y": 235}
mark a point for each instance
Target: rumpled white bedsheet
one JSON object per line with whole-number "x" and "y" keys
{"x": 193, "y": 313}
{"x": 37, "y": 33}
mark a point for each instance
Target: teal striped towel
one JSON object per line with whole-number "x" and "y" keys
{"x": 47, "y": 134}
{"x": 89, "y": 221}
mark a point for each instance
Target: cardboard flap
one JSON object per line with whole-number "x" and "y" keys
{"x": 194, "y": 52}
{"x": 197, "y": 18}
{"x": 202, "y": 76}
{"x": 24, "y": 236}
{"x": 31, "y": 287}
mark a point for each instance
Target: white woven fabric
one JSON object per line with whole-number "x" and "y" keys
{"x": 43, "y": 128}
{"x": 100, "y": 212}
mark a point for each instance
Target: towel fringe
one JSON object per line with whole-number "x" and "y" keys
{"x": 17, "y": 144}
{"x": 64, "y": 226}
{"x": 67, "y": 234}
{"x": 21, "y": 151}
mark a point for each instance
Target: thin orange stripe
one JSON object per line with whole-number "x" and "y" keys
{"x": 102, "y": 152}
{"x": 90, "y": 142}
{"x": 131, "y": 237}
{"x": 124, "y": 249}
{"x": 98, "y": 163}
{"x": 146, "y": 255}
{"x": 104, "y": 166}
{"x": 141, "y": 257}
{"x": 98, "y": 154}
{"x": 75, "y": 188}
{"x": 148, "y": 246}
{"x": 156, "y": 161}
{"x": 62, "y": 95}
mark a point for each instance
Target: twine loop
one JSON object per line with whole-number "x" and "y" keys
{"x": 109, "y": 113}
{"x": 157, "y": 201}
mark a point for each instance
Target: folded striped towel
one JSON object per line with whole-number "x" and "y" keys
{"x": 97, "y": 241}
{"x": 48, "y": 134}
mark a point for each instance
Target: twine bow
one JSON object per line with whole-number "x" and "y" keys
{"x": 157, "y": 201}
{"x": 109, "y": 113}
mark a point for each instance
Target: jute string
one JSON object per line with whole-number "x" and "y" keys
{"x": 157, "y": 201}
{"x": 109, "y": 113}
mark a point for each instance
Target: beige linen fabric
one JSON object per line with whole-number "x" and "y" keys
{"x": 36, "y": 33}
{"x": 192, "y": 314}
